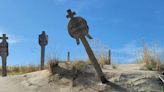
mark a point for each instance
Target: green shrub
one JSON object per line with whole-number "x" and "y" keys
{"x": 149, "y": 67}
{"x": 114, "y": 66}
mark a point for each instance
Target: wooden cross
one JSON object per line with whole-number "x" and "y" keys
{"x": 4, "y": 57}
{"x": 43, "y": 41}
{"x": 86, "y": 44}
{"x": 70, "y": 13}
{"x": 4, "y": 38}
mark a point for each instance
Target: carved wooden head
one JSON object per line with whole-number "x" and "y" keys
{"x": 4, "y": 46}
{"x": 77, "y": 26}
{"x": 43, "y": 39}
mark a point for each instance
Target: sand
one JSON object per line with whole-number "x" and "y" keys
{"x": 128, "y": 76}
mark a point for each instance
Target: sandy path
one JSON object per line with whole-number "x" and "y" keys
{"x": 32, "y": 82}
{"x": 12, "y": 84}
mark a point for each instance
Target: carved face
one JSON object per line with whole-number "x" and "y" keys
{"x": 77, "y": 26}
{"x": 43, "y": 40}
{"x": 4, "y": 49}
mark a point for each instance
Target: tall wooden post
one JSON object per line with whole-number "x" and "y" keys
{"x": 78, "y": 29}
{"x": 68, "y": 56}
{"x": 4, "y": 54}
{"x": 42, "y": 57}
{"x": 4, "y": 66}
{"x": 109, "y": 57}
{"x": 43, "y": 41}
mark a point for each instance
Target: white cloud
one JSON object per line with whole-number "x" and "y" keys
{"x": 127, "y": 54}
{"x": 128, "y": 49}
{"x": 131, "y": 52}
{"x": 12, "y": 39}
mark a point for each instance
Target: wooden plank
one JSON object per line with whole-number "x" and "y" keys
{"x": 162, "y": 79}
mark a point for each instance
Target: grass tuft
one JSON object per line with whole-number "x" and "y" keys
{"x": 52, "y": 64}
{"x": 16, "y": 70}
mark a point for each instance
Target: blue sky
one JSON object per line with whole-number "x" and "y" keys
{"x": 119, "y": 25}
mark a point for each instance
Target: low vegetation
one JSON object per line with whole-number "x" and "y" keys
{"x": 114, "y": 66}
{"x": 15, "y": 70}
{"x": 52, "y": 64}
{"x": 151, "y": 59}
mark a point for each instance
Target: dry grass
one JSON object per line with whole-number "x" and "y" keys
{"x": 146, "y": 56}
{"x": 14, "y": 70}
{"x": 114, "y": 66}
{"x": 101, "y": 60}
{"x": 104, "y": 58}
{"x": 79, "y": 64}
{"x": 88, "y": 62}
{"x": 151, "y": 58}
{"x": 52, "y": 64}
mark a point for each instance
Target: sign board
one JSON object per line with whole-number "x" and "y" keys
{"x": 77, "y": 27}
{"x": 3, "y": 50}
{"x": 4, "y": 54}
{"x": 4, "y": 46}
{"x": 43, "y": 39}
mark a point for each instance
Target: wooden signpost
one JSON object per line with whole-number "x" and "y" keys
{"x": 68, "y": 56}
{"x": 43, "y": 41}
{"x": 78, "y": 29}
{"x": 4, "y": 54}
{"x": 109, "y": 57}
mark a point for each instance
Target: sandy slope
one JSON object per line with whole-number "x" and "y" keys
{"x": 127, "y": 76}
{"x": 22, "y": 83}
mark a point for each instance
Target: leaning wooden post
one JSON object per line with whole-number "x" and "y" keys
{"x": 4, "y": 54}
{"x": 78, "y": 29}
{"x": 43, "y": 41}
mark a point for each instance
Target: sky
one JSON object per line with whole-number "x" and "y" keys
{"x": 118, "y": 25}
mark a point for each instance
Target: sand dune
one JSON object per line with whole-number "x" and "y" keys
{"x": 131, "y": 78}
